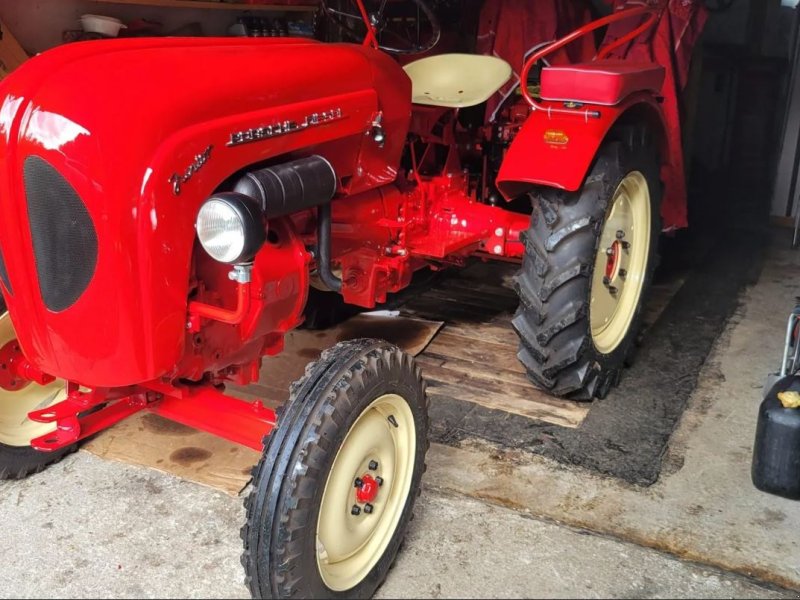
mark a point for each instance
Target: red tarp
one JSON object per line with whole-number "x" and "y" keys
{"x": 670, "y": 45}
{"x": 511, "y": 29}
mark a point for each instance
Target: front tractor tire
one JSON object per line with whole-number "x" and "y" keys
{"x": 17, "y": 458}
{"x": 334, "y": 492}
{"x": 589, "y": 260}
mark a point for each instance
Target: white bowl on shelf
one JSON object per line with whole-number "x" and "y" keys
{"x": 108, "y": 26}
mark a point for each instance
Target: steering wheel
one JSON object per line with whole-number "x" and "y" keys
{"x": 401, "y": 26}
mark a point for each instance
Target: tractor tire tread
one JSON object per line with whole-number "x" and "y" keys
{"x": 554, "y": 284}
{"x": 19, "y": 463}
{"x": 291, "y": 493}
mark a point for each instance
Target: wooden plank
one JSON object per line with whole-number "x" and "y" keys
{"x": 473, "y": 287}
{"x": 303, "y": 346}
{"x": 486, "y": 355}
{"x": 479, "y": 301}
{"x": 11, "y": 53}
{"x": 214, "y": 5}
{"x": 501, "y": 333}
{"x": 452, "y": 370}
{"x": 522, "y": 400}
{"x": 433, "y": 308}
{"x": 473, "y": 358}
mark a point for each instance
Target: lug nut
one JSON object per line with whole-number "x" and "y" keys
{"x": 625, "y": 245}
{"x": 612, "y": 289}
{"x": 368, "y": 508}
{"x": 609, "y": 252}
{"x": 379, "y": 481}
{"x": 355, "y": 511}
{"x": 358, "y": 483}
{"x": 620, "y": 234}
{"x": 606, "y": 281}
{"x": 623, "y": 273}
{"x": 373, "y": 465}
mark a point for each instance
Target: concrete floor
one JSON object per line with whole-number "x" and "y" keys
{"x": 490, "y": 523}
{"x": 704, "y": 507}
{"x": 97, "y": 529}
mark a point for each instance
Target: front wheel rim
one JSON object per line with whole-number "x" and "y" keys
{"x": 357, "y": 523}
{"x": 620, "y": 268}
{"x": 15, "y": 427}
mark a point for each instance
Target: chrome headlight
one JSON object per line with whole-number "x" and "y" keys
{"x": 231, "y": 228}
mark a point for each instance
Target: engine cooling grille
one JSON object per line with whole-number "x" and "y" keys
{"x": 64, "y": 237}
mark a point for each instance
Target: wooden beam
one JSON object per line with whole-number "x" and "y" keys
{"x": 197, "y": 4}
{"x": 11, "y": 53}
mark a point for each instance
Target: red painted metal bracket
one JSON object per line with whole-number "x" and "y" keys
{"x": 209, "y": 409}
{"x": 83, "y": 414}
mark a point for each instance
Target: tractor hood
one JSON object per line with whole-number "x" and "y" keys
{"x": 107, "y": 150}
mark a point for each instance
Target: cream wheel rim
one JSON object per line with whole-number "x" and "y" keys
{"x": 620, "y": 267}
{"x": 15, "y": 427}
{"x": 380, "y": 447}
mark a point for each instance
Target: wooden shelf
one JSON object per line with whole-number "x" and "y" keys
{"x": 213, "y": 5}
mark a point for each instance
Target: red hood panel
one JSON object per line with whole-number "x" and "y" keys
{"x": 117, "y": 119}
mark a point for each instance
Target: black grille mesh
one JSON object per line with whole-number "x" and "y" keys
{"x": 4, "y": 274}
{"x": 64, "y": 237}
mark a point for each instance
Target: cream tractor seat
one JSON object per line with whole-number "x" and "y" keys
{"x": 456, "y": 80}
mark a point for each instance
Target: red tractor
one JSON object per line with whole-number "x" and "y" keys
{"x": 169, "y": 205}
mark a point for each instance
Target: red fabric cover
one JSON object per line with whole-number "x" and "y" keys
{"x": 606, "y": 82}
{"x": 510, "y": 29}
{"x": 670, "y": 45}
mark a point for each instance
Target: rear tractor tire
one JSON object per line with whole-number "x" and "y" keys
{"x": 334, "y": 492}
{"x": 588, "y": 263}
{"x": 17, "y": 458}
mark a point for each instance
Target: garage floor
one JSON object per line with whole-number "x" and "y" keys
{"x": 493, "y": 521}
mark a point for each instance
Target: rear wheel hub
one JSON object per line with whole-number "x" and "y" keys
{"x": 621, "y": 265}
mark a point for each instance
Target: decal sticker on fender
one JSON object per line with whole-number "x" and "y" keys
{"x": 178, "y": 179}
{"x": 265, "y": 132}
{"x": 556, "y": 137}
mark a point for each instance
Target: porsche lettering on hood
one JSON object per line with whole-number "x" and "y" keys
{"x": 282, "y": 128}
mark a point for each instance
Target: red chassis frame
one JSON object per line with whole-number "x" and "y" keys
{"x": 439, "y": 222}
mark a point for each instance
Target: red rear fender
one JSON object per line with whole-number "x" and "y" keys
{"x": 558, "y": 150}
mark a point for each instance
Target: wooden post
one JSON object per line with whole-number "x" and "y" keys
{"x": 11, "y": 53}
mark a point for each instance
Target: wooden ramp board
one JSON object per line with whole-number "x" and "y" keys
{"x": 151, "y": 441}
{"x": 474, "y": 357}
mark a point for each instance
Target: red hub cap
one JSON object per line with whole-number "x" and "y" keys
{"x": 368, "y": 490}
{"x": 613, "y": 259}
